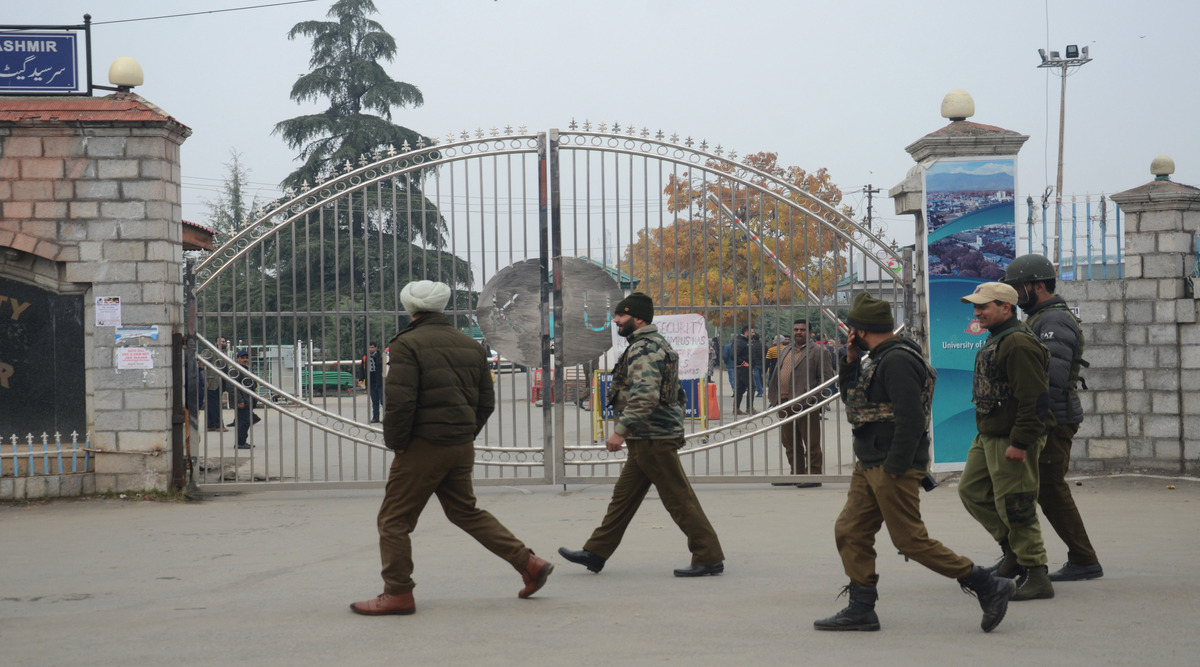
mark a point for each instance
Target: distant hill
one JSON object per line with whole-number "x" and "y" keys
{"x": 959, "y": 182}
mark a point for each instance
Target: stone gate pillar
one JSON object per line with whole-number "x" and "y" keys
{"x": 90, "y": 207}
{"x": 961, "y": 138}
{"x": 1161, "y": 346}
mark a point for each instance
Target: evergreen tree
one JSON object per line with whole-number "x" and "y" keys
{"x": 351, "y": 257}
{"x": 347, "y": 70}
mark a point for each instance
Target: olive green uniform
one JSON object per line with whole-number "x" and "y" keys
{"x": 648, "y": 400}
{"x": 887, "y": 400}
{"x": 1012, "y": 407}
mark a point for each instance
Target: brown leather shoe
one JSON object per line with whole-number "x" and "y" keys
{"x": 386, "y": 604}
{"x": 535, "y": 574}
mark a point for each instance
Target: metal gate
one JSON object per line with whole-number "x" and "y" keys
{"x": 546, "y": 220}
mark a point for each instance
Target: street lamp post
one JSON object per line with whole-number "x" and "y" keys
{"x": 1074, "y": 59}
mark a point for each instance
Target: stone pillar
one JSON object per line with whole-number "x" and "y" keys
{"x": 90, "y": 193}
{"x": 961, "y": 138}
{"x": 1161, "y": 345}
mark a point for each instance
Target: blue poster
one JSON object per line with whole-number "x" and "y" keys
{"x": 38, "y": 62}
{"x": 971, "y": 237}
{"x": 691, "y": 388}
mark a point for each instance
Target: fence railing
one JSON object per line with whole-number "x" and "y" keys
{"x": 31, "y": 455}
{"x": 1093, "y": 239}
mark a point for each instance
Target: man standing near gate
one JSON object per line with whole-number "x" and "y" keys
{"x": 999, "y": 483}
{"x": 802, "y": 366}
{"x": 372, "y": 372}
{"x": 439, "y": 397}
{"x": 647, "y": 400}
{"x": 888, "y": 402}
{"x": 1034, "y": 278}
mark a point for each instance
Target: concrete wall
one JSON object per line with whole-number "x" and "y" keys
{"x": 93, "y": 205}
{"x": 1143, "y": 341}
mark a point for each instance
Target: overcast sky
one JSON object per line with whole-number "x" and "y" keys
{"x": 843, "y": 85}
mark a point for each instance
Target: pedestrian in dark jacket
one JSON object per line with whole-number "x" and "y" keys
{"x": 741, "y": 364}
{"x": 757, "y": 363}
{"x": 439, "y": 398}
{"x": 371, "y": 372}
{"x": 888, "y": 401}
{"x": 244, "y": 416}
{"x": 1052, "y": 321}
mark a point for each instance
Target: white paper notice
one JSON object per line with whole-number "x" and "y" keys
{"x": 108, "y": 311}
{"x": 687, "y": 334}
{"x": 134, "y": 358}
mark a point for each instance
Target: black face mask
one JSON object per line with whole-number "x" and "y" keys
{"x": 860, "y": 343}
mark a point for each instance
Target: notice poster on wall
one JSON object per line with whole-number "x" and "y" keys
{"x": 971, "y": 238}
{"x": 134, "y": 358}
{"x": 108, "y": 311}
{"x": 687, "y": 334}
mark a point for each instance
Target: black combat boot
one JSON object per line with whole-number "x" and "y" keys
{"x": 1007, "y": 566}
{"x": 859, "y": 615}
{"x": 993, "y": 593}
{"x": 1036, "y": 587}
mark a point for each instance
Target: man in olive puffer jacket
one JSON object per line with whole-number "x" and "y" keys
{"x": 439, "y": 397}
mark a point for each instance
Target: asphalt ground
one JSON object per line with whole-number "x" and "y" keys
{"x": 265, "y": 578}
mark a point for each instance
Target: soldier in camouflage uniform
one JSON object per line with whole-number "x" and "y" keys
{"x": 999, "y": 483}
{"x": 888, "y": 399}
{"x": 647, "y": 400}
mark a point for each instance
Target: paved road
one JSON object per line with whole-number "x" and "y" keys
{"x": 265, "y": 578}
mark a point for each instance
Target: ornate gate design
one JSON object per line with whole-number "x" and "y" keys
{"x": 317, "y": 276}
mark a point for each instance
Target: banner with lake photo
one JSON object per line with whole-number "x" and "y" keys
{"x": 971, "y": 237}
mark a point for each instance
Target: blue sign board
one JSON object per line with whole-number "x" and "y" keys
{"x": 691, "y": 409}
{"x": 38, "y": 62}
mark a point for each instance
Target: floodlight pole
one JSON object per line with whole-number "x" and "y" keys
{"x": 1053, "y": 61}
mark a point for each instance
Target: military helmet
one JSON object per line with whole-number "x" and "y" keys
{"x": 1029, "y": 269}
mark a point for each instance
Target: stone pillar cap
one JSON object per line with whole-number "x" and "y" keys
{"x": 1162, "y": 167}
{"x": 958, "y": 105}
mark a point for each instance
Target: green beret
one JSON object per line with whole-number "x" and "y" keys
{"x": 870, "y": 314}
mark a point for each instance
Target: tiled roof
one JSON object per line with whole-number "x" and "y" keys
{"x": 116, "y": 108}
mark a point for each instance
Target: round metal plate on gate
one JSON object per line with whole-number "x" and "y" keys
{"x": 510, "y": 316}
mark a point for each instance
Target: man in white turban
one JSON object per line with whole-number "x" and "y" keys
{"x": 425, "y": 296}
{"x": 439, "y": 397}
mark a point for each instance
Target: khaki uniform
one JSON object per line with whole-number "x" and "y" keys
{"x": 889, "y": 405}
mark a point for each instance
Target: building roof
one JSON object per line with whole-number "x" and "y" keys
{"x": 197, "y": 236}
{"x": 116, "y": 108}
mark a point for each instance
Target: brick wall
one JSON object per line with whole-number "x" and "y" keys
{"x": 97, "y": 202}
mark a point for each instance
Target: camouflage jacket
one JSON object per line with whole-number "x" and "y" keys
{"x": 645, "y": 393}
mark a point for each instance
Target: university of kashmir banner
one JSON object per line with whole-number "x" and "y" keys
{"x": 971, "y": 237}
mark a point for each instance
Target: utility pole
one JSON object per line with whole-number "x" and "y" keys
{"x": 870, "y": 210}
{"x": 1053, "y": 61}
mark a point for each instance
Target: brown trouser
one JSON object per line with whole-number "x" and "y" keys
{"x": 875, "y": 498}
{"x": 418, "y": 473}
{"x": 799, "y": 435}
{"x": 1054, "y": 495}
{"x": 656, "y": 462}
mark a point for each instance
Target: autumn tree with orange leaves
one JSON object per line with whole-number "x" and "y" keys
{"x": 704, "y": 261}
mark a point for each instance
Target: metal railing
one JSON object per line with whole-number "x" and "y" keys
{"x": 1093, "y": 240}
{"x": 31, "y": 455}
